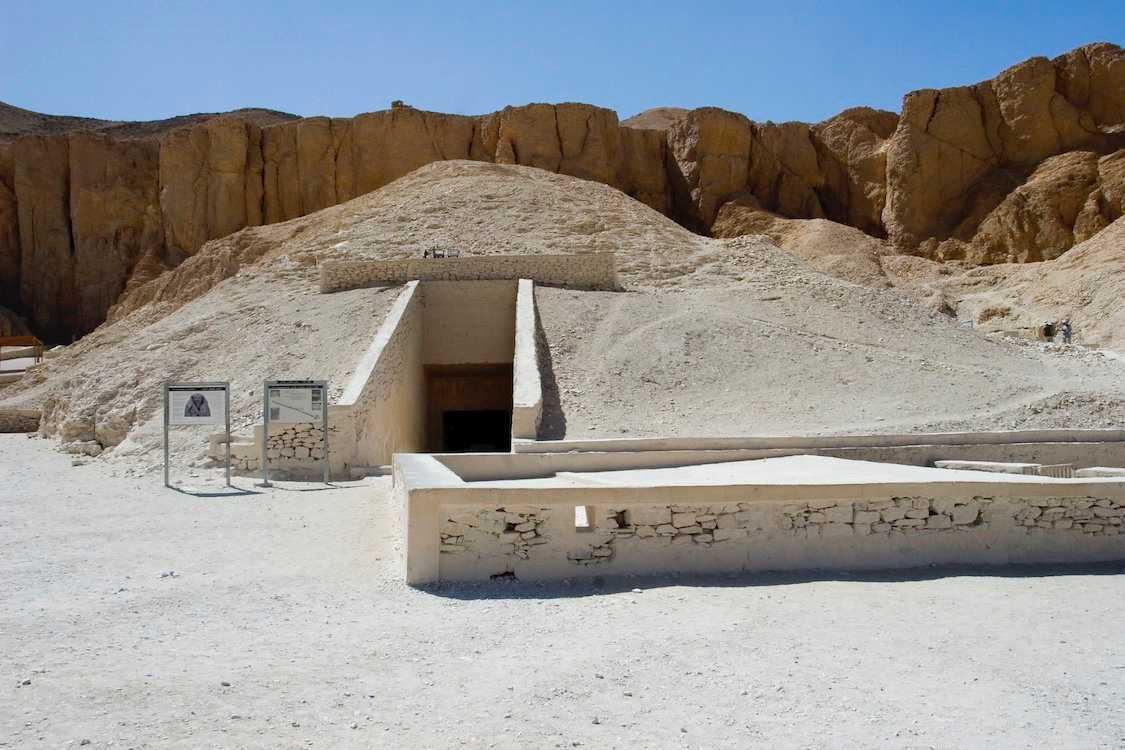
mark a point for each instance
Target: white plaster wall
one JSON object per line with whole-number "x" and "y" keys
{"x": 469, "y": 322}
{"x": 527, "y": 388}
{"x": 387, "y": 409}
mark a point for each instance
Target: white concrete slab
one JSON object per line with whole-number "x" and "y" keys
{"x": 999, "y": 467}
{"x": 1100, "y": 471}
{"x": 788, "y": 470}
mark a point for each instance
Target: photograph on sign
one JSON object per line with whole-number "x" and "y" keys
{"x": 197, "y": 405}
{"x": 296, "y": 403}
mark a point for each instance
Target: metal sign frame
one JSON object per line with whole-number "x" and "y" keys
{"x": 304, "y": 385}
{"x": 209, "y": 386}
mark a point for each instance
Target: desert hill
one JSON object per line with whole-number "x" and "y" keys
{"x": 16, "y": 122}
{"x": 1017, "y": 168}
{"x": 712, "y": 336}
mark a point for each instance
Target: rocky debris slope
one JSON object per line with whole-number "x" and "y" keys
{"x": 1085, "y": 284}
{"x": 1017, "y": 168}
{"x": 790, "y": 351}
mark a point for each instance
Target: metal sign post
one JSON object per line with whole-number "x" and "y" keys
{"x": 194, "y": 404}
{"x": 293, "y": 402}
{"x": 266, "y": 435}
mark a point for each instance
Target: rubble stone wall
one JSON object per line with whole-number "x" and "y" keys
{"x": 541, "y": 540}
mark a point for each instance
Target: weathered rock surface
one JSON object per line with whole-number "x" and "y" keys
{"x": 1066, "y": 200}
{"x": 10, "y": 252}
{"x": 42, "y": 188}
{"x": 1017, "y": 168}
{"x": 210, "y": 182}
{"x": 115, "y": 217}
{"x": 12, "y": 324}
{"x": 953, "y": 152}
{"x": 827, "y": 246}
{"x": 82, "y": 214}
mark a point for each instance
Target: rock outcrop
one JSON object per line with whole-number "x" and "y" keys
{"x": 12, "y": 324}
{"x": 958, "y": 152}
{"x": 1018, "y": 168}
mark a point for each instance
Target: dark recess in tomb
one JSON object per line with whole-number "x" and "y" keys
{"x": 469, "y": 408}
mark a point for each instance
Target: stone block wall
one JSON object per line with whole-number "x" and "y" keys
{"x": 299, "y": 441}
{"x": 294, "y": 451}
{"x": 542, "y": 541}
{"x": 585, "y": 271}
{"x": 1085, "y": 515}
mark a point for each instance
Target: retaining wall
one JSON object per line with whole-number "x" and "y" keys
{"x": 527, "y": 388}
{"x": 459, "y": 532}
{"x": 584, "y": 271}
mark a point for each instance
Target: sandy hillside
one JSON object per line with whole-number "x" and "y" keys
{"x": 802, "y": 355}
{"x": 714, "y": 337}
{"x": 264, "y": 322}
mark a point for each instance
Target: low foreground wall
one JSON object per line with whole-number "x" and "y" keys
{"x": 473, "y": 531}
{"x": 584, "y": 271}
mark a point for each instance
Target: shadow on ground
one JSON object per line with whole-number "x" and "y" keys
{"x": 511, "y": 588}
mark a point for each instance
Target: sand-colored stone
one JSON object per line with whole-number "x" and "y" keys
{"x": 836, "y": 249}
{"x": 709, "y": 152}
{"x": 1067, "y": 199}
{"x": 210, "y": 182}
{"x": 115, "y": 217}
{"x": 9, "y": 227}
{"x": 47, "y": 292}
{"x": 947, "y": 161}
{"x": 856, "y": 140}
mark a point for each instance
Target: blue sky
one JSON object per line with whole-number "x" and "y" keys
{"x": 776, "y": 61}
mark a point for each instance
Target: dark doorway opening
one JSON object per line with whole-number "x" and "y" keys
{"x": 469, "y": 408}
{"x": 478, "y": 431}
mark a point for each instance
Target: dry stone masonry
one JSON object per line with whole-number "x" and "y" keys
{"x": 892, "y": 515}
{"x": 706, "y": 525}
{"x": 1086, "y": 515}
{"x": 299, "y": 441}
{"x": 513, "y": 531}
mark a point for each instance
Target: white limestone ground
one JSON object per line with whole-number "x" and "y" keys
{"x": 136, "y": 616}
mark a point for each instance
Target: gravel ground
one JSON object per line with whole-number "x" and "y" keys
{"x": 136, "y": 616}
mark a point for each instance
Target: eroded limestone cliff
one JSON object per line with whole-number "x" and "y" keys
{"x": 1017, "y": 168}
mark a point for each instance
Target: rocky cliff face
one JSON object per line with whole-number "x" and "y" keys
{"x": 1018, "y": 168}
